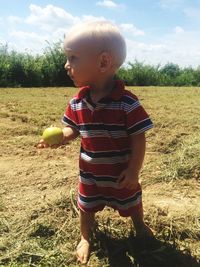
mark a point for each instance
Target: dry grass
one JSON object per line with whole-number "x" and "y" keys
{"x": 38, "y": 214}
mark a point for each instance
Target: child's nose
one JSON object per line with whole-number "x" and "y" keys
{"x": 67, "y": 65}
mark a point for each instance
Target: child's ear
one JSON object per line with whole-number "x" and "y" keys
{"x": 105, "y": 62}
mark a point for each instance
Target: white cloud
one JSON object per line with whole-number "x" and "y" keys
{"x": 131, "y": 29}
{"x": 52, "y": 24}
{"x": 178, "y": 30}
{"x": 181, "y": 46}
{"x": 14, "y": 19}
{"x": 50, "y": 17}
{"x": 149, "y": 53}
{"x": 170, "y": 3}
{"x": 183, "y": 49}
{"x": 55, "y": 19}
{"x": 109, "y": 4}
{"x": 88, "y": 18}
{"x": 193, "y": 13}
{"x": 28, "y": 41}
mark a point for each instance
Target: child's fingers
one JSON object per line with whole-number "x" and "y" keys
{"x": 123, "y": 182}
{"x": 42, "y": 144}
{"x": 126, "y": 183}
{"x": 39, "y": 145}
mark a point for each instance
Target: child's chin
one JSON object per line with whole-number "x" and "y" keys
{"x": 76, "y": 83}
{"x": 79, "y": 84}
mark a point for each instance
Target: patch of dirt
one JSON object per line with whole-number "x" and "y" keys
{"x": 175, "y": 197}
{"x": 28, "y": 181}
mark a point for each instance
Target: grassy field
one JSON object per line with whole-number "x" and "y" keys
{"x": 38, "y": 214}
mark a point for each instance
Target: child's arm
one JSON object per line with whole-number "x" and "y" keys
{"x": 129, "y": 177}
{"x": 69, "y": 133}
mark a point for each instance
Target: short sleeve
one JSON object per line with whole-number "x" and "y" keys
{"x": 137, "y": 119}
{"x": 70, "y": 116}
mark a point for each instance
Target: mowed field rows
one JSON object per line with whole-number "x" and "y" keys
{"x": 38, "y": 188}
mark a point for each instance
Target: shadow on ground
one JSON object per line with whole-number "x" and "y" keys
{"x": 131, "y": 252}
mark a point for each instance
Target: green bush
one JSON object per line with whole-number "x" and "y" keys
{"x": 139, "y": 74}
{"x": 47, "y": 69}
{"x": 22, "y": 69}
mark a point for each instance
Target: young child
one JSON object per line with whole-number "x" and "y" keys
{"x": 112, "y": 125}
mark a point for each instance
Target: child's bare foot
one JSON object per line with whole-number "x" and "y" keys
{"x": 83, "y": 251}
{"x": 144, "y": 231}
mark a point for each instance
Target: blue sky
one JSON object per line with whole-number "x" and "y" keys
{"x": 156, "y": 31}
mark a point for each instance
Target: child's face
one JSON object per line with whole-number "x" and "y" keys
{"x": 82, "y": 64}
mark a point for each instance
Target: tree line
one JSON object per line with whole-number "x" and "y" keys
{"x": 47, "y": 69}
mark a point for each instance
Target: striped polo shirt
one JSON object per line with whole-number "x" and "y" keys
{"x": 105, "y": 129}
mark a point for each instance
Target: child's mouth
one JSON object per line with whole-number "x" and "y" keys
{"x": 71, "y": 77}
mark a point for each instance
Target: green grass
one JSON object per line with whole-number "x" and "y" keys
{"x": 49, "y": 236}
{"x": 39, "y": 224}
{"x": 184, "y": 164}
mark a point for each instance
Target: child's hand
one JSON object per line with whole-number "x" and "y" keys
{"x": 42, "y": 144}
{"x": 128, "y": 179}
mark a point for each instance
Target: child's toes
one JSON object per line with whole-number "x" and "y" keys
{"x": 82, "y": 251}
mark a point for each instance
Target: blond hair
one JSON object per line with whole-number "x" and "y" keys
{"x": 105, "y": 36}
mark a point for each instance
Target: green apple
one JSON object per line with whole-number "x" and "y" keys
{"x": 53, "y": 135}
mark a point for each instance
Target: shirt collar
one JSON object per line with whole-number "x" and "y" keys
{"x": 116, "y": 93}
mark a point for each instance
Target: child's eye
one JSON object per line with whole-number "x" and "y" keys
{"x": 73, "y": 58}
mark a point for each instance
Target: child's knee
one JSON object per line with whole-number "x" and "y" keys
{"x": 87, "y": 215}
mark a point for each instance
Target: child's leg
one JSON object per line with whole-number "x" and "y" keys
{"x": 86, "y": 224}
{"x": 138, "y": 220}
